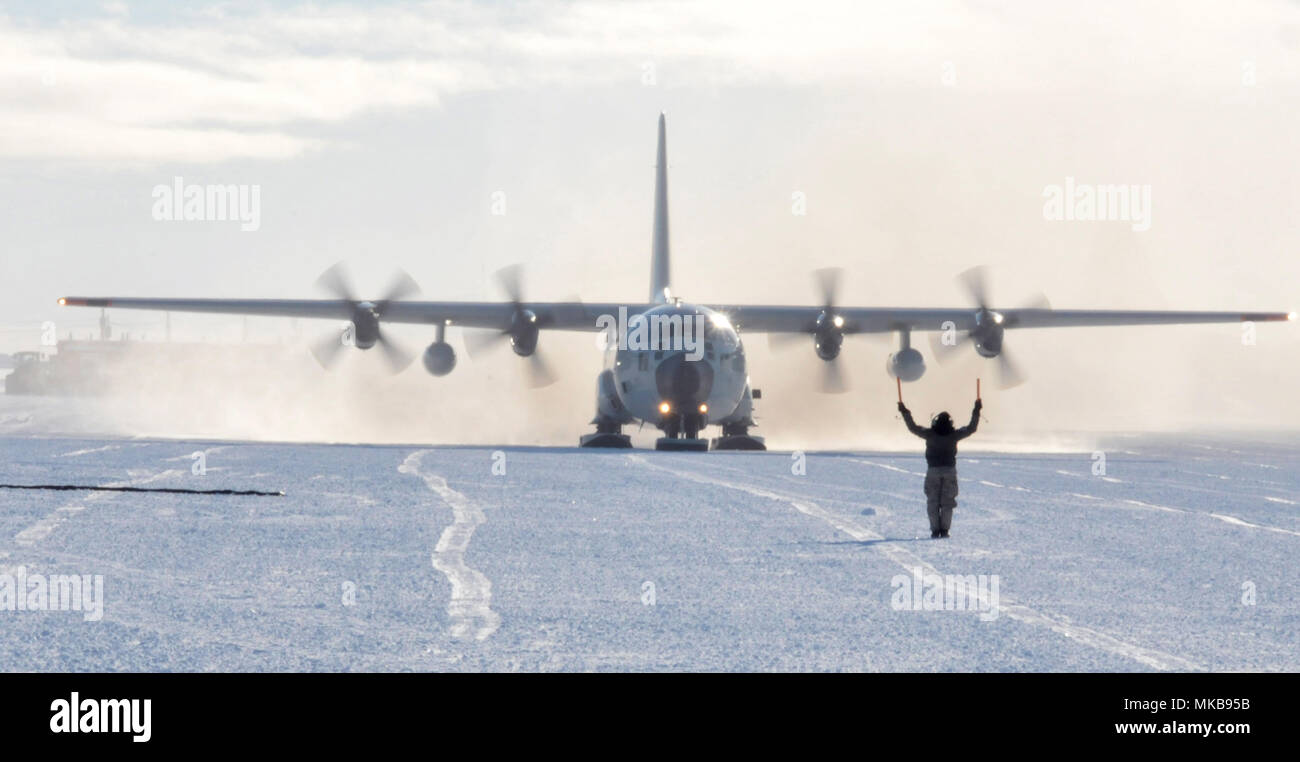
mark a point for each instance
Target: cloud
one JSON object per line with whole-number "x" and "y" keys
{"x": 264, "y": 82}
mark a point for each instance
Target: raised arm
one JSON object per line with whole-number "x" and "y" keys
{"x": 969, "y": 428}
{"x": 911, "y": 424}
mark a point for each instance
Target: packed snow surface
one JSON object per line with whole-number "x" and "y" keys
{"x": 1154, "y": 553}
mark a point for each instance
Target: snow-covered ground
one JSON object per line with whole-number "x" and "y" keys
{"x": 1181, "y": 556}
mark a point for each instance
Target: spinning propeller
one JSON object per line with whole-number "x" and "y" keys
{"x": 525, "y": 326}
{"x": 827, "y": 330}
{"x": 989, "y": 330}
{"x": 366, "y": 317}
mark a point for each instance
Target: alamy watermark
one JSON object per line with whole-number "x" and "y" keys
{"x": 180, "y": 202}
{"x": 671, "y": 332}
{"x": 1084, "y": 202}
{"x": 87, "y": 715}
{"x": 919, "y": 591}
{"x": 20, "y": 591}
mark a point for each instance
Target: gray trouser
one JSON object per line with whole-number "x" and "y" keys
{"x": 940, "y": 496}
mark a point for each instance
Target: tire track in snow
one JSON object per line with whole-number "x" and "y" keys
{"x": 1121, "y": 502}
{"x": 1243, "y": 523}
{"x": 470, "y": 607}
{"x": 46, "y": 526}
{"x": 190, "y": 456}
{"x": 1224, "y": 517}
{"x": 79, "y": 453}
{"x": 886, "y": 466}
{"x": 908, "y": 560}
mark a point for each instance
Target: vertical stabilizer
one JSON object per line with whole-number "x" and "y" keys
{"x": 659, "y": 280}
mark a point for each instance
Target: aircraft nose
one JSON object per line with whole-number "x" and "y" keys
{"x": 685, "y": 382}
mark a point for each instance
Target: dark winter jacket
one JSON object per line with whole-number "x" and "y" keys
{"x": 941, "y": 449}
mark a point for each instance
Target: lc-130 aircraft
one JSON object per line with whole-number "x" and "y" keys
{"x": 676, "y": 365}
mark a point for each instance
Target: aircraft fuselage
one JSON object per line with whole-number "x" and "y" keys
{"x": 677, "y": 366}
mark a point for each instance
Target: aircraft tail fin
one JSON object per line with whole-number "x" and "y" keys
{"x": 660, "y": 285}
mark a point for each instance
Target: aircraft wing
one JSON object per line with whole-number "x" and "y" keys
{"x": 1040, "y": 318}
{"x": 570, "y": 316}
{"x": 581, "y": 316}
{"x": 794, "y": 319}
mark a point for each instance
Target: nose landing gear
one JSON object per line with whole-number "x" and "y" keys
{"x": 682, "y": 432}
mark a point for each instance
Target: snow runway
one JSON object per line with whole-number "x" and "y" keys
{"x": 428, "y": 558}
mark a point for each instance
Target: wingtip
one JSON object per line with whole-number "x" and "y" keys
{"x": 63, "y": 301}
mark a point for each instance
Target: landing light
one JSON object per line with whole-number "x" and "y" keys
{"x": 1290, "y": 316}
{"x": 838, "y": 321}
{"x": 997, "y": 318}
{"x": 63, "y": 301}
{"x": 704, "y": 408}
{"x": 664, "y": 407}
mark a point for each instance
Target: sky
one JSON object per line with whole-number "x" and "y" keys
{"x": 918, "y": 139}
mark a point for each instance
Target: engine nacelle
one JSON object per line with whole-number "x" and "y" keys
{"x": 523, "y": 333}
{"x": 906, "y": 364}
{"x": 365, "y": 326}
{"x": 988, "y": 342}
{"x": 987, "y": 334}
{"x": 439, "y": 358}
{"x": 827, "y": 336}
{"x": 827, "y": 345}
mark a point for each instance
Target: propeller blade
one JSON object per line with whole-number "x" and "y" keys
{"x": 975, "y": 281}
{"x": 402, "y": 286}
{"x": 539, "y": 371}
{"x": 1039, "y": 302}
{"x": 833, "y": 380}
{"x": 509, "y": 279}
{"x": 397, "y": 355}
{"x": 1009, "y": 373}
{"x": 336, "y": 281}
{"x": 326, "y": 350}
{"x": 828, "y": 284}
{"x": 943, "y": 352}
